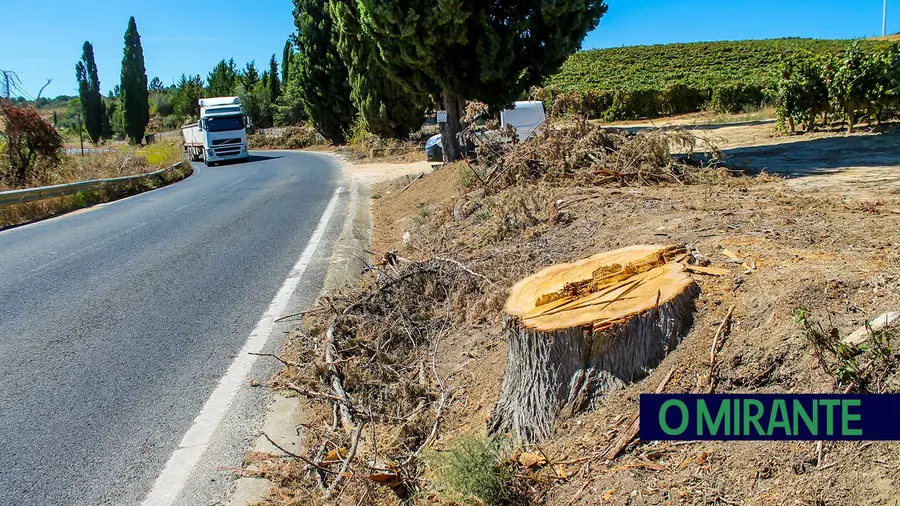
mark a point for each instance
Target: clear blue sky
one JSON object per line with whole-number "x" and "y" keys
{"x": 42, "y": 39}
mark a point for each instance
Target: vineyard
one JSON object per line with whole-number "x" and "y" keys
{"x": 647, "y": 81}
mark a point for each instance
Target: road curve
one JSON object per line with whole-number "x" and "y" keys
{"x": 117, "y": 322}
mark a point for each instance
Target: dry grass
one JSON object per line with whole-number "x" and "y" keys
{"x": 125, "y": 161}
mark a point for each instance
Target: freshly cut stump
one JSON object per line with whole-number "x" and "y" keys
{"x": 580, "y": 329}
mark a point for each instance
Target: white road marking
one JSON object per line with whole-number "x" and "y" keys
{"x": 182, "y": 462}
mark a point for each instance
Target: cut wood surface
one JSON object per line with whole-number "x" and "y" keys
{"x": 579, "y": 329}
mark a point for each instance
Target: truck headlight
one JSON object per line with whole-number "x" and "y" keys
{"x": 244, "y": 148}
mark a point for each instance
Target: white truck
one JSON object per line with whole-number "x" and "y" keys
{"x": 221, "y": 133}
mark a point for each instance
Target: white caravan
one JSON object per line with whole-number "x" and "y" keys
{"x": 525, "y": 117}
{"x": 221, "y": 133}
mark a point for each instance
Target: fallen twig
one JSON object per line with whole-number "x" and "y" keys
{"x": 411, "y": 182}
{"x": 350, "y": 456}
{"x": 463, "y": 267}
{"x": 297, "y": 456}
{"x": 720, "y": 333}
{"x": 276, "y": 357}
{"x": 634, "y": 426}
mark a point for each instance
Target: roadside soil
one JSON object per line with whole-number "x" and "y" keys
{"x": 832, "y": 248}
{"x": 826, "y": 240}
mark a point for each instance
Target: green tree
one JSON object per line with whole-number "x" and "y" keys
{"x": 223, "y": 79}
{"x": 249, "y": 76}
{"x": 319, "y": 78}
{"x": 89, "y": 92}
{"x": 385, "y": 106}
{"x": 274, "y": 84}
{"x": 134, "y": 99}
{"x": 156, "y": 85}
{"x": 286, "y": 58}
{"x": 188, "y": 92}
{"x": 457, "y": 50}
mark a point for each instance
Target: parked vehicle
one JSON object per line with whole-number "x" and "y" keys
{"x": 221, "y": 133}
{"x": 525, "y": 117}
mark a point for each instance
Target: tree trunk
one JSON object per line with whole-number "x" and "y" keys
{"x": 576, "y": 331}
{"x": 450, "y": 130}
{"x": 851, "y": 118}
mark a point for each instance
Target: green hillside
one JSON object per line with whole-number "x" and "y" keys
{"x": 640, "y": 81}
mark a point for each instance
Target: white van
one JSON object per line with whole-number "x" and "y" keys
{"x": 525, "y": 117}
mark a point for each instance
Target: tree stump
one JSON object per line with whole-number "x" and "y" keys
{"x": 580, "y": 329}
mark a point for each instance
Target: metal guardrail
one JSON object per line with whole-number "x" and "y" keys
{"x": 61, "y": 190}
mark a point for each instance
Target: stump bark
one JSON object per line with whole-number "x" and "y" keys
{"x": 578, "y": 330}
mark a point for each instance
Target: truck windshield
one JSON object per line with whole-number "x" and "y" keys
{"x": 224, "y": 123}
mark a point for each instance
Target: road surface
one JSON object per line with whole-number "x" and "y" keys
{"x": 117, "y": 323}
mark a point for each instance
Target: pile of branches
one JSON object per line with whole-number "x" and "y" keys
{"x": 577, "y": 150}
{"x": 373, "y": 368}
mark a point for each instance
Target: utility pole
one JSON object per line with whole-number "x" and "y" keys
{"x": 6, "y": 88}
{"x": 81, "y": 134}
{"x": 884, "y": 20}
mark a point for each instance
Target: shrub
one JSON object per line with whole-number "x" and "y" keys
{"x": 733, "y": 98}
{"x": 33, "y": 146}
{"x": 473, "y": 468}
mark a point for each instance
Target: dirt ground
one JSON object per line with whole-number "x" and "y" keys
{"x": 863, "y": 164}
{"x": 827, "y": 239}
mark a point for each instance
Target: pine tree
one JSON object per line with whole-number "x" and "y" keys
{"x": 286, "y": 58}
{"x": 156, "y": 85}
{"x": 249, "y": 76}
{"x": 458, "y": 50}
{"x": 320, "y": 82}
{"x": 385, "y": 106}
{"x": 188, "y": 92}
{"x": 134, "y": 97}
{"x": 89, "y": 92}
{"x": 222, "y": 79}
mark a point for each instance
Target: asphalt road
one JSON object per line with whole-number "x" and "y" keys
{"x": 117, "y": 322}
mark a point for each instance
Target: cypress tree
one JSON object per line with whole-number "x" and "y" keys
{"x": 286, "y": 58}
{"x": 134, "y": 97}
{"x": 321, "y": 79}
{"x": 274, "y": 84}
{"x": 458, "y": 50}
{"x": 385, "y": 106}
{"x": 89, "y": 92}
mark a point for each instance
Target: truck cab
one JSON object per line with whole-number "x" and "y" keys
{"x": 221, "y": 133}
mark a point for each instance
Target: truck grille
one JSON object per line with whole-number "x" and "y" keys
{"x": 221, "y": 142}
{"x": 229, "y": 151}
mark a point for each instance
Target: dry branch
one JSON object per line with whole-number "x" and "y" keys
{"x": 634, "y": 426}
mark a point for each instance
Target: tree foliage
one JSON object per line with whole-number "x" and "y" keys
{"x": 855, "y": 82}
{"x": 89, "y": 92}
{"x": 134, "y": 98}
{"x": 223, "y": 79}
{"x": 472, "y": 50}
{"x": 156, "y": 85}
{"x": 188, "y": 92}
{"x": 32, "y": 145}
{"x": 319, "y": 79}
{"x": 273, "y": 83}
{"x": 286, "y": 57}
{"x": 386, "y": 108}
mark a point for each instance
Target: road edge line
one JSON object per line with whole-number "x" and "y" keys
{"x": 184, "y": 459}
